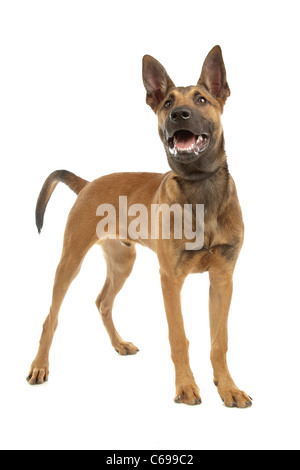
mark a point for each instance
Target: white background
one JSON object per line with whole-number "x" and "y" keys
{"x": 71, "y": 96}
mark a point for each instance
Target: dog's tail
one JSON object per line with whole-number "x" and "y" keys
{"x": 61, "y": 176}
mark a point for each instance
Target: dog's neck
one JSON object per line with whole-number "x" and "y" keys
{"x": 210, "y": 189}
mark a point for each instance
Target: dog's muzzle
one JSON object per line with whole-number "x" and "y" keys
{"x": 182, "y": 137}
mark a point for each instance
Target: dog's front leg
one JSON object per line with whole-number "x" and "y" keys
{"x": 219, "y": 303}
{"x": 187, "y": 390}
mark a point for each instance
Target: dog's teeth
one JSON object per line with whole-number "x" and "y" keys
{"x": 173, "y": 151}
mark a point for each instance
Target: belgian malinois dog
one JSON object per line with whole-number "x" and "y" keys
{"x": 189, "y": 123}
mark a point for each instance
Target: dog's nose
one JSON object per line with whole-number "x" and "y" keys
{"x": 180, "y": 113}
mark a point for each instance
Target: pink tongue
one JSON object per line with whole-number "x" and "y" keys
{"x": 185, "y": 140}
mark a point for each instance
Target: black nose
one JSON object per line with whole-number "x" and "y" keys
{"x": 180, "y": 113}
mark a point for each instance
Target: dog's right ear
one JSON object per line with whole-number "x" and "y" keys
{"x": 156, "y": 81}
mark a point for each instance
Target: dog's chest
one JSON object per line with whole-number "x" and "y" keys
{"x": 220, "y": 246}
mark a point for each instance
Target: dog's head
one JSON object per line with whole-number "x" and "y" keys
{"x": 189, "y": 118}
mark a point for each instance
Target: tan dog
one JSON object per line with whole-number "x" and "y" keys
{"x": 190, "y": 128}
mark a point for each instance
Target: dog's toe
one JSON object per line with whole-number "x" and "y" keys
{"x": 126, "y": 349}
{"x": 38, "y": 376}
{"x": 188, "y": 395}
{"x": 236, "y": 399}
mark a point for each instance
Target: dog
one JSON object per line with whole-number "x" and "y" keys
{"x": 189, "y": 124}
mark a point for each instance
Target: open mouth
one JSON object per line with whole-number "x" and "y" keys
{"x": 184, "y": 141}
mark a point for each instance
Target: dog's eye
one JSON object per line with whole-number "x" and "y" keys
{"x": 168, "y": 104}
{"x": 201, "y": 100}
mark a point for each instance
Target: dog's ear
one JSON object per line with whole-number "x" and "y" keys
{"x": 213, "y": 75}
{"x": 156, "y": 81}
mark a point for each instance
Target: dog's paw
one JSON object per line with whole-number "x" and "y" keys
{"x": 126, "y": 349}
{"x": 232, "y": 397}
{"x": 188, "y": 394}
{"x": 38, "y": 375}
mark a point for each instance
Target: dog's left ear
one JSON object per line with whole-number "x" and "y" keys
{"x": 213, "y": 75}
{"x": 156, "y": 81}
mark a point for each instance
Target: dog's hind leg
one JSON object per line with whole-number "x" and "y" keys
{"x": 120, "y": 260}
{"x": 75, "y": 248}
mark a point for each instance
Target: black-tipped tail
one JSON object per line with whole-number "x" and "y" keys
{"x": 60, "y": 176}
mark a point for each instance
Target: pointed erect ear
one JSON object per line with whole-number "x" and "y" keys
{"x": 156, "y": 80}
{"x": 213, "y": 75}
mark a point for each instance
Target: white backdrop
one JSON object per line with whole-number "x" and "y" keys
{"x": 71, "y": 97}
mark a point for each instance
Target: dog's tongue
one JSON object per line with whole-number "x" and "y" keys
{"x": 185, "y": 140}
